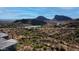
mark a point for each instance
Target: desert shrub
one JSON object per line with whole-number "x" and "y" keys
{"x": 77, "y": 33}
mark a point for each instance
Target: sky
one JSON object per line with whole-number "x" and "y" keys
{"x": 32, "y": 12}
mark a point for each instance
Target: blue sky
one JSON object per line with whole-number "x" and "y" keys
{"x": 32, "y": 12}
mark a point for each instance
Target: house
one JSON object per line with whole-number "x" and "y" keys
{"x": 33, "y": 27}
{"x": 7, "y": 44}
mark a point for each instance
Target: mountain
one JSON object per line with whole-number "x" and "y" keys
{"x": 77, "y": 19}
{"x": 23, "y": 21}
{"x": 62, "y": 18}
{"x": 40, "y": 20}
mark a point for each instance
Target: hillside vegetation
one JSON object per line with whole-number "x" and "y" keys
{"x": 53, "y": 35}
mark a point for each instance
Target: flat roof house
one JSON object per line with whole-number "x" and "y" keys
{"x": 33, "y": 27}
{"x": 7, "y": 44}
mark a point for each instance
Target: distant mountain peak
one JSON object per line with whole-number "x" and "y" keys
{"x": 62, "y": 18}
{"x": 41, "y": 18}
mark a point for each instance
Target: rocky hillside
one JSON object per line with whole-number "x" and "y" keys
{"x": 45, "y": 39}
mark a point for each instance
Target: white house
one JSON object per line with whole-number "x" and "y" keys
{"x": 33, "y": 27}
